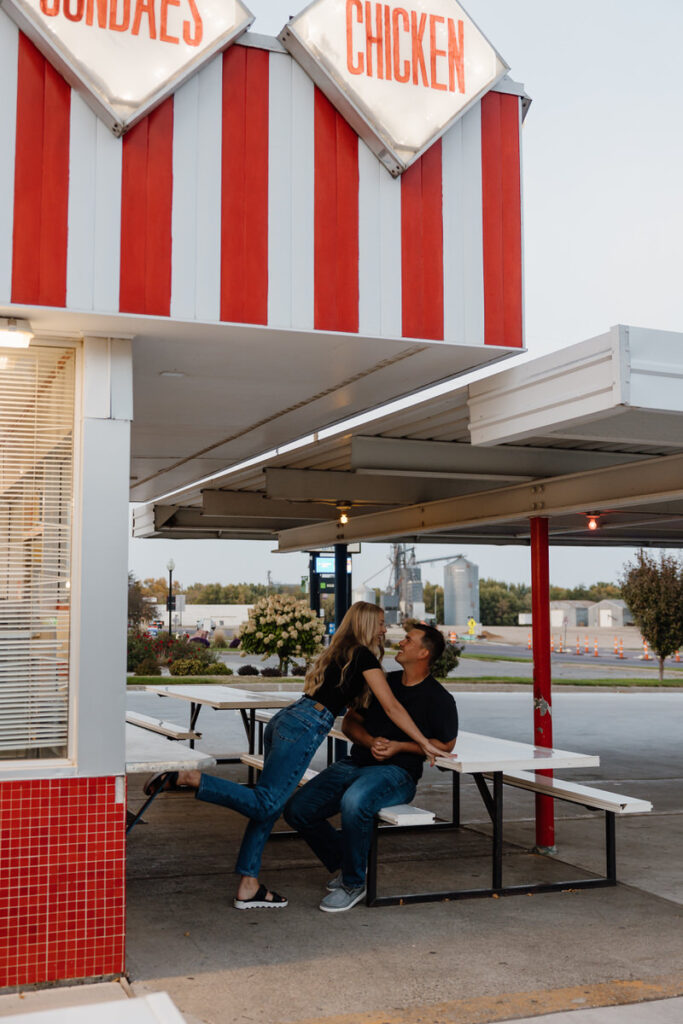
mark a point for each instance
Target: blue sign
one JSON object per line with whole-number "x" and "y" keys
{"x": 330, "y": 628}
{"x": 324, "y": 563}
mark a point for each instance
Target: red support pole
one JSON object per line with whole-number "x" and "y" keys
{"x": 543, "y": 723}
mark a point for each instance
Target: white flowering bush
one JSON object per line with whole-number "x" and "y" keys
{"x": 281, "y": 625}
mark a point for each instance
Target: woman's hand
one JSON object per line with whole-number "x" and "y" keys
{"x": 431, "y": 752}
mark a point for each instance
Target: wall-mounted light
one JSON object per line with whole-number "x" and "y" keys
{"x": 343, "y": 508}
{"x": 15, "y": 333}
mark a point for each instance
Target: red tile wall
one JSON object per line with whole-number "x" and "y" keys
{"x": 62, "y": 880}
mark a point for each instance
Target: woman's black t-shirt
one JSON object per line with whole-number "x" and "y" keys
{"x": 336, "y": 697}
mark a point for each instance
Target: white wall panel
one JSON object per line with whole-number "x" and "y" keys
{"x": 463, "y": 245}
{"x": 302, "y": 198}
{"x": 107, "y": 229}
{"x": 196, "y": 224}
{"x": 369, "y": 242}
{"x": 279, "y": 190}
{"x": 9, "y": 48}
{"x": 390, "y": 272}
{"x": 80, "y": 257}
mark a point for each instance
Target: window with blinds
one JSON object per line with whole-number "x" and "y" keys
{"x": 37, "y": 387}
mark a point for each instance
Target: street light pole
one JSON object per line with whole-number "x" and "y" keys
{"x": 170, "y": 565}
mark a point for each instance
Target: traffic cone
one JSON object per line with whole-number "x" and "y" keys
{"x": 586, "y": 644}
{"x": 677, "y": 656}
{"x": 528, "y": 643}
{"x": 616, "y": 646}
{"x": 595, "y": 649}
{"x": 560, "y": 648}
{"x": 452, "y": 637}
{"x": 621, "y": 648}
{"x": 646, "y": 653}
{"x": 552, "y": 644}
{"x": 578, "y": 646}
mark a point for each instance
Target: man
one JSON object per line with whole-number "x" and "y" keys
{"x": 382, "y": 769}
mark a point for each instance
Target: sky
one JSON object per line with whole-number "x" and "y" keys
{"x": 603, "y": 231}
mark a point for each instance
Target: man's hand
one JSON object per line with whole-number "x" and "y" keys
{"x": 383, "y": 749}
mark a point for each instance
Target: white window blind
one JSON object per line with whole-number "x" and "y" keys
{"x": 36, "y": 500}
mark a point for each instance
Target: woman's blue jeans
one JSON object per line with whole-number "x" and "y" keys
{"x": 291, "y": 739}
{"x": 358, "y": 792}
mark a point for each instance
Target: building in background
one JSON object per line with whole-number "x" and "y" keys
{"x": 460, "y": 592}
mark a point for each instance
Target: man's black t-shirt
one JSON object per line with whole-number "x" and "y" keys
{"x": 431, "y": 707}
{"x": 335, "y": 696}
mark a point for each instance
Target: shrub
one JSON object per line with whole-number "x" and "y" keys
{"x": 218, "y": 641}
{"x": 219, "y": 669}
{"x": 270, "y": 671}
{"x": 234, "y": 643}
{"x": 296, "y": 669}
{"x": 147, "y": 667}
{"x": 187, "y": 667}
{"x": 140, "y": 648}
{"x": 247, "y": 670}
{"x": 281, "y": 625}
{"x": 448, "y": 660}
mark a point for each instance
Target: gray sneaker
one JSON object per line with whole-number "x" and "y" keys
{"x": 342, "y": 899}
{"x": 335, "y": 883}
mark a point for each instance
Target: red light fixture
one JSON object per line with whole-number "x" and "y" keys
{"x": 593, "y": 520}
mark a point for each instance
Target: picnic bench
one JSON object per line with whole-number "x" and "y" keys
{"x": 150, "y": 752}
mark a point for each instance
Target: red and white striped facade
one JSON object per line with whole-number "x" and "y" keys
{"x": 246, "y": 198}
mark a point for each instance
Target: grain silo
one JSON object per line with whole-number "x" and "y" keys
{"x": 461, "y": 592}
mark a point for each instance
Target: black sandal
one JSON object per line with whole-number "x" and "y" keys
{"x": 259, "y": 901}
{"x": 162, "y": 780}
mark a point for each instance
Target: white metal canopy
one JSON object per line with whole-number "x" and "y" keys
{"x": 554, "y": 447}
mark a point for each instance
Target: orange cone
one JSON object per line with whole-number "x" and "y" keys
{"x": 595, "y": 649}
{"x": 621, "y": 648}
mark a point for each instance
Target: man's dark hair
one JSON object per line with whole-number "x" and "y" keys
{"x": 433, "y": 640}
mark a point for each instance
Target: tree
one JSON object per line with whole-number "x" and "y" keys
{"x": 653, "y": 590}
{"x": 158, "y": 589}
{"x": 500, "y": 603}
{"x": 430, "y": 592}
{"x": 139, "y": 609}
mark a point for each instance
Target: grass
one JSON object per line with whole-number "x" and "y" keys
{"x": 201, "y": 680}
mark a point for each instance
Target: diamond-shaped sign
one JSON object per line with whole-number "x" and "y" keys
{"x": 126, "y": 56}
{"x": 400, "y": 72}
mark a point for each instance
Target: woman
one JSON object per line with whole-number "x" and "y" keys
{"x": 346, "y": 673}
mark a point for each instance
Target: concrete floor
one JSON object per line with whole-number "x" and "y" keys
{"x": 460, "y": 962}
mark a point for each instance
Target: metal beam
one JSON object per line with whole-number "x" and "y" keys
{"x": 615, "y": 487}
{"x": 330, "y": 485}
{"x": 507, "y": 462}
{"x": 244, "y": 503}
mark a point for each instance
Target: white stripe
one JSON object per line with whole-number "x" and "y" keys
{"x": 279, "y": 190}
{"x": 390, "y": 245}
{"x": 473, "y": 229}
{"x": 369, "y": 243}
{"x": 452, "y": 153}
{"x": 184, "y": 201}
{"x": 9, "y": 55}
{"x": 302, "y": 169}
{"x": 196, "y": 225}
{"x": 80, "y": 252}
{"x": 108, "y": 173}
{"x": 94, "y": 225}
{"x": 209, "y": 176}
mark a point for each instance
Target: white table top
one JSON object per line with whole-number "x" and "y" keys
{"x": 149, "y": 752}
{"x": 156, "y": 1008}
{"x": 478, "y": 753}
{"x": 224, "y": 697}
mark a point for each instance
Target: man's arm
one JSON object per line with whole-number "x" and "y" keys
{"x": 354, "y": 730}
{"x": 383, "y": 749}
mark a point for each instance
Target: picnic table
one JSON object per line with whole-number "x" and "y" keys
{"x": 488, "y": 758}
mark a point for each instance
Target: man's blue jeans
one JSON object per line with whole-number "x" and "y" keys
{"x": 358, "y": 792}
{"x": 291, "y": 739}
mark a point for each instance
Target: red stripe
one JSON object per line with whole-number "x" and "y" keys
{"x": 502, "y": 220}
{"x": 244, "y": 189}
{"x": 422, "y": 246}
{"x": 146, "y": 212}
{"x": 41, "y": 190}
{"x": 336, "y": 220}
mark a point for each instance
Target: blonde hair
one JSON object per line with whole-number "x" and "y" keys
{"x": 358, "y": 628}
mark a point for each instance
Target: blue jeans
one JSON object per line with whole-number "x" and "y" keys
{"x": 358, "y": 792}
{"x": 291, "y": 739}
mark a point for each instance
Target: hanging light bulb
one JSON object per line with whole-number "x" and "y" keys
{"x": 593, "y": 522}
{"x": 343, "y": 508}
